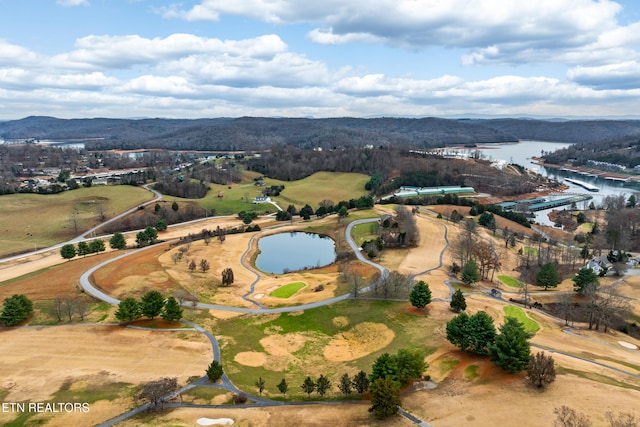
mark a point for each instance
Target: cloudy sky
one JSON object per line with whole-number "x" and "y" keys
{"x": 212, "y": 58}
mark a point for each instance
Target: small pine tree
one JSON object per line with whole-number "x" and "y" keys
{"x": 420, "y": 295}
{"x": 260, "y": 385}
{"x": 345, "y": 384}
{"x": 283, "y": 387}
{"x": 511, "y": 349}
{"x": 470, "y": 273}
{"x": 214, "y": 371}
{"x": 171, "y": 312}
{"x": 308, "y": 386}
{"x": 322, "y": 385}
{"x": 128, "y": 310}
{"x": 68, "y": 251}
{"x": 361, "y": 382}
{"x": 458, "y": 302}
{"x": 385, "y": 398}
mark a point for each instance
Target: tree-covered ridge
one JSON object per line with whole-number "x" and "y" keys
{"x": 253, "y": 133}
{"x": 622, "y": 151}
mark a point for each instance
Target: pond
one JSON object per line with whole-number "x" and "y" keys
{"x": 284, "y": 252}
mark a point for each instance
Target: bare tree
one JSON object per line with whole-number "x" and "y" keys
{"x": 69, "y": 307}
{"x": 625, "y": 419}
{"x": 158, "y": 391}
{"x": 81, "y": 307}
{"x": 541, "y": 370}
{"x": 204, "y": 265}
{"x": 74, "y": 219}
{"x": 568, "y": 417}
{"x": 57, "y": 308}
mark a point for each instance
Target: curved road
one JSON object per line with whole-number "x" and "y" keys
{"x": 226, "y": 383}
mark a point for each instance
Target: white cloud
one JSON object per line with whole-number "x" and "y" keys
{"x": 72, "y": 3}
{"x": 624, "y": 75}
{"x": 493, "y": 31}
{"x": 125, "y": 51}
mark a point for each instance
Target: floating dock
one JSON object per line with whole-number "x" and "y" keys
{"x": 583, "y": 184}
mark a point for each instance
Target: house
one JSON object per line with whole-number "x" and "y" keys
{"x": 597, "y": 264}
{"x": 262, "y": 199}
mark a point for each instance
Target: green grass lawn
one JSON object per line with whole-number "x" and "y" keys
{"x": 31, "y": 221}
{"x": 471, "y": 372}
{"x": 334, "y": 186}
{"x": 510, "y": 281}
{"x": 363, "y": 232}
{"x": 311, "y": 190}
{"x": 287, "y": 290}
{"x": 519, "y": 314}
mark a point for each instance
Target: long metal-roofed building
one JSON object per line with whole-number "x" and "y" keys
{"x": 432, "y": 191}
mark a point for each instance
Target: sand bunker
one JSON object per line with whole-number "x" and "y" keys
{"x": 340, "y": 321}
{"x": 214, "y": 422}
{"x": 359, "y": 341}
{"x": 251, "y": 358}
{"x": 283, "y": 345}
{"x": 628, "y": 345}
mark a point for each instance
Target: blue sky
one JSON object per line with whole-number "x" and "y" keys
{"x": 212, "y": 58}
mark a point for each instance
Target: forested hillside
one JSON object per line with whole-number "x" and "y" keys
{"x": 253, "y": 133}
{"x": 574, "y": 131}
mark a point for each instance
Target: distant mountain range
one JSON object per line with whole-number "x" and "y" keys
{"x": 259, "y": 132}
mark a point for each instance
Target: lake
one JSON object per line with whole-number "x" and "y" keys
{"x": 284, "y": 252}
{"x": 521, "y": 153}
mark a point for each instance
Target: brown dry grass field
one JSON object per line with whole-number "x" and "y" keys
{"x": 36, "y": 220}
{"x": 471, "y": 391}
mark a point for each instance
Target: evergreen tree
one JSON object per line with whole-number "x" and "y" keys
{"x": 385, "y": 366}
{"x": 420, "y": 295}
{"x": 308, "y": 386}
{"x": 283, "y": 386}
{"x": 117, "y": 241}
{"x": 260, "y": 385}
{"x": 511, "y": 350}
{"x": 128, "y": 310}
{"x": 474, "y": 334}
{"x": 151, "y": 304}
{"x": 171, "y": 312}
{"x": 83, "y": 248}
{"x": 548, "y": 276}
{"x": 361, "y": 382}
{"x": 15, "y": 309}
{"x": 470, "y": 273}
{"x": 214, "y": 371}
{"x": 96, "y": 246}
{"x": 585, "y": 281}
{"x": 345, "y": 384}
{"x": 458, "y": 302}
{"x": 411, "y": 364}
{"x": 68, "y": 251}
{"x": 322, "y": 385}
{"x": 385, "y": 398}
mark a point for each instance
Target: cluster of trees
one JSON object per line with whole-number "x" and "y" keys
{"x": 68, "y": 307}
{"x": 69, "y": 250}
{"x": 15, "y": 309}
{"x": 151, "y": 304}
{"x": 184, "y": 188}
{"x": 569, "y": 417}
{"x": 326, "y": 207}
{"x": 148, "y": 236}
{"x": 477, "y": 256}
{"x": 508, "y": 349}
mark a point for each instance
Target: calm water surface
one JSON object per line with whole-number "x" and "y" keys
{"x": 294, "y": 251}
